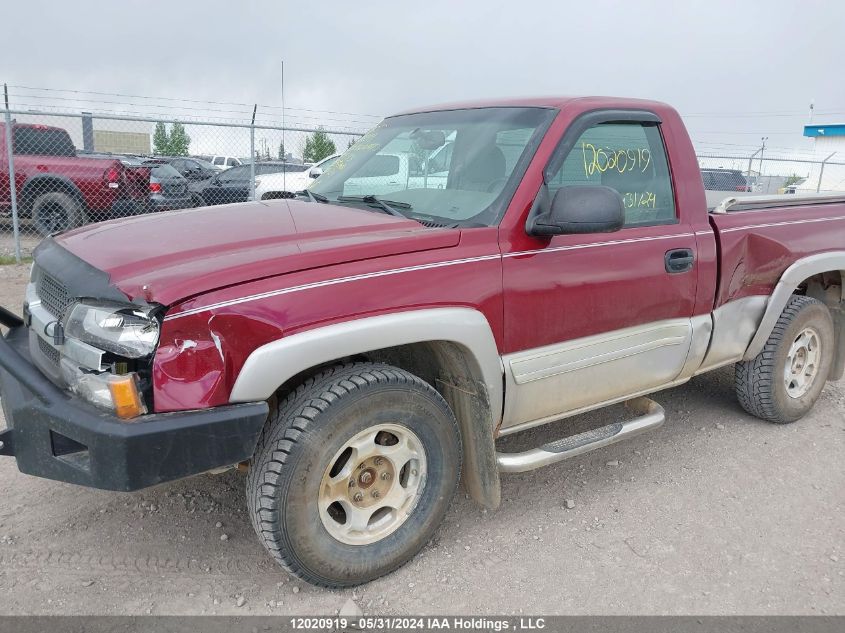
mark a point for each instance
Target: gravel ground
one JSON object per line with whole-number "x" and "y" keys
{"x": 28, "y": 235}
{"x": 714, "y": 513}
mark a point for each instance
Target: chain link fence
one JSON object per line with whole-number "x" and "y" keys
{"x": 74, "y": 168}
{"x": 774, "y": 173}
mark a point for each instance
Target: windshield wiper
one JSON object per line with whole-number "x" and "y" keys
{"x": 388, "y": 206}
{"x": 312, "y": 197}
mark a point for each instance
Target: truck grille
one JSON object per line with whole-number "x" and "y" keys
{"x": 53, "y": 294}
{"x": 50, "y": 352}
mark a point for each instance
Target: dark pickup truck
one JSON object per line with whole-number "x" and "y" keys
{"x": 59, "y": 189}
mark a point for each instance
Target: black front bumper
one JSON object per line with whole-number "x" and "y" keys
{"x": 55, "y": 435}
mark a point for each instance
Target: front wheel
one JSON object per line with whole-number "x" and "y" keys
{"x": 782, "y": 383}
{"x": 353, "y": 473}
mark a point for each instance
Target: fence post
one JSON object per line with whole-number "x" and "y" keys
{"x": 821, "y": 172}
{"x": 12, "y": 186}
{"x": 750, "y": 159}
{"x": 252, "y": 154}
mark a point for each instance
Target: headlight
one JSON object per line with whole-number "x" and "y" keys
{"x": 124, "y": 330}
{"x": 257, "y": 183}
{"x": 116, "y": 393}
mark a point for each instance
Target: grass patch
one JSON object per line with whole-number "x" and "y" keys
{"x": 9, "y": 260}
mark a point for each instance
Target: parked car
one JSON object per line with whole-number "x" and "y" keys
{"x": 724, "y": 180}
{"x": 225, "y": 162}
{"x": 357, "y": 354}
{"x": 197, "y": 172}
{"x": 294, "y": 177}
{"x": 168, "y": 189}
{"x": 233, "y": 185}
{"x": 191, "y": 168}
{"x": 60, "y": 189}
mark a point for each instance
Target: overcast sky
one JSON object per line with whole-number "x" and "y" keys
{"x": 737, "y": 70}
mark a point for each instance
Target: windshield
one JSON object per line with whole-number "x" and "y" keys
{"x": 163, "y": 171}
{"x": 204, "y": 164}
{"x": 452, "y": 167}
{"x": 278, "y": 168}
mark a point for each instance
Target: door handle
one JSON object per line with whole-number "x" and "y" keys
{"x": 679, "y": 260}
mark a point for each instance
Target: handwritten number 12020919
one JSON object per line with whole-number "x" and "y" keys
{"x": 623, "y": 161}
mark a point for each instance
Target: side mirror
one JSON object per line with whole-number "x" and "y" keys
{"x": 579, "y": 209}
{"x": 316, "y": 172}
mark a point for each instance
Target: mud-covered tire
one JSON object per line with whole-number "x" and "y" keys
{"x": 297, "y": 448}
{"x": 762, "y": 384}
{"x": 54, "y": 212}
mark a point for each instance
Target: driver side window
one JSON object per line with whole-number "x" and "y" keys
{"x": 630, "y": 158}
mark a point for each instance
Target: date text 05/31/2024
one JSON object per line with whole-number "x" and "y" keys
{"x": 409, "y": 623}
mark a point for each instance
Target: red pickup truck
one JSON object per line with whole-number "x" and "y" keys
{"x": 59, "y": 189}
{"x": 356, "y": 354}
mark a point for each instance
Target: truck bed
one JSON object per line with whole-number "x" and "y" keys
{"x": 759, "y": 237}
{"x": 730, "y": 202}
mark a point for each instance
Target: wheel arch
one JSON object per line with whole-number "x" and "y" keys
{"x": 48, "y": 183}
{"x": 821, "y": 276}
{"x": 451, "y": 348}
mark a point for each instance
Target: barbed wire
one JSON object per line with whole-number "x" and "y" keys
{"x": 186, "y": 100}
{"x": 247, "y": 113}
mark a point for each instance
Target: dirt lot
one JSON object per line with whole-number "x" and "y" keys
{"x": 714, "y": 513}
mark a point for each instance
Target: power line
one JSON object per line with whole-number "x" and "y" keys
{"x": 179, "y": 107}
{"x": 40, "y": 109}
{"x": 129, "y": 96}
{"x": 737, "y": 115}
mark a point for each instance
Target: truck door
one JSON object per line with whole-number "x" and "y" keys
{"x": 593, "y": 318}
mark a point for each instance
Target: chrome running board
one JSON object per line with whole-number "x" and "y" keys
{"x": 650, "y": 415}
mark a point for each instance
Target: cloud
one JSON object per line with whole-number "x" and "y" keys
{"x": 717, "y": 58}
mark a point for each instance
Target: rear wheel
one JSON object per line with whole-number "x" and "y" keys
{"x": 55, "y": 212}
{"x": 782, "y": 383}
{"x": 353, "y": 473}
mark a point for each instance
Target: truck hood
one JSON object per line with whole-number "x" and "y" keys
{"x": 168, "y": 257}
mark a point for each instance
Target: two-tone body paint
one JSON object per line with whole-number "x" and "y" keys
{"x": 244, "y": 317}
{"x": 532, "y": 291}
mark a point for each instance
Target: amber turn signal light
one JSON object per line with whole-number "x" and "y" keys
{"x": 127, "y": 400}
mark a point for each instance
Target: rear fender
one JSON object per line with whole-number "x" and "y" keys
{"x": 792, "y": 278}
